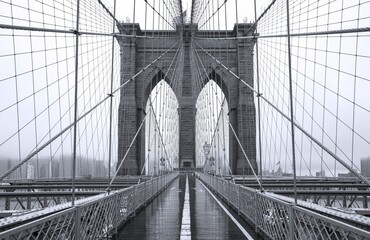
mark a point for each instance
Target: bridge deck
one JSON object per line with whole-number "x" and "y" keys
{"x": 161, "y": 219}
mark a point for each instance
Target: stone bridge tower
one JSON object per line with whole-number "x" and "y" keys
{"x": 138, "y": 52}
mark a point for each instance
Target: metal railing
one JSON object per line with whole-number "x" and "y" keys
{"x": 279, "y": 219}
{"x": 93, "y": 219}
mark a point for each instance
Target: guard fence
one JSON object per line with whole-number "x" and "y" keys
{"x": 279, "y": 219}
{"x": 96, "y": 218}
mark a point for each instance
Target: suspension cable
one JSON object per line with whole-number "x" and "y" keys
{"x": 359, "y": 175}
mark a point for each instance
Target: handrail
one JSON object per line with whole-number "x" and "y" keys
{"x": 280, "y": 219}
{"x": 93, "y": 218}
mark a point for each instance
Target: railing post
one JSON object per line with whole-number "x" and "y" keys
{"x": 228, "y": 190}
{"x": 77, "y": 229}
{"x": 256, "y": 212}
{"x": 116, "y": 218}
{"x": 291, "y": 222}
{"x": 152, "y": 187}
{"x": 135, "y": 201}
{"x": 239, "y": 202}
{"x": 145, "y": 196}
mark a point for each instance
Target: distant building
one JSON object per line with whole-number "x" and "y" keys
{"x": 345, "y": 175}
{"x": 30, "y": 171}
{"x": 55, "y": 168}
{"x": 320, "y": 174}
{"x": 265, "y": 172}
{"x": 365, "y": 166}
{"x": 279, "y": 172}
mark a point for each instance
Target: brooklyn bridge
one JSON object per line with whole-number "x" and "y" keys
{"x": 174, "y": 119}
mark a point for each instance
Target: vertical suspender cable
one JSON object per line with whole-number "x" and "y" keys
{"x": 111, "y": 96}
{"x": 144, "y": 106}
{"x": 355, "y": 84}
{"x": 231, "y": 169}
{"x": 258, "y": 96}
{"x": 291, "y": 103}
{"x": 160, "y": 148}
{"x": 16, "y": 94}
{"x": 337, "y": 93}
{"x": 75, "y": 106}
{"x": 49, "y": 165}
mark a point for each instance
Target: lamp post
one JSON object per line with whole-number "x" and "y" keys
{"x": 206, "y": 149}
{"x": 212, "y": 164}
{"x": 162, "y": 164}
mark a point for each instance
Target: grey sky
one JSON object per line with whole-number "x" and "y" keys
{"x": 332, "y": 74}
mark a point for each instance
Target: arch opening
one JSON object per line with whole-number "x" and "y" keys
{"x": 211, "y": 130}
{"x": 155, "y": 79}
{"x": 161, "y": 130}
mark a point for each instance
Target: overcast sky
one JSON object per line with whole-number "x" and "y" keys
{"x": 330, "y": 74}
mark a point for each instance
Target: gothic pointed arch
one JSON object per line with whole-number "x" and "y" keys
{"x": 137, "y": 58}
{"x": 155, "y": 76}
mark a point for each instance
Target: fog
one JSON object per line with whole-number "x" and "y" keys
{"x": 330, "y": 76}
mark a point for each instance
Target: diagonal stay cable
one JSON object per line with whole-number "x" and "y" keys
{"x": 112, "y": 15}
{"x": 327, "y": 150}
{"x": 245, "y": 155}
{"x": 254, "y": 24}
{"x": 126, "y": 154}
{"x": 37, "y": 150}
{"x": 159, "y": 14}
{"x": 213, "y": 14}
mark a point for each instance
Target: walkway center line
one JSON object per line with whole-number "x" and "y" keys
{"x": 185, "y": 223}
{"x": 246, "y": 234}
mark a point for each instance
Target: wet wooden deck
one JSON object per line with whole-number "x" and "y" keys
{"x": 161, "y": 219}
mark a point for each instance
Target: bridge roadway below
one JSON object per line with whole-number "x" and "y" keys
{"x": 163, "y": 217}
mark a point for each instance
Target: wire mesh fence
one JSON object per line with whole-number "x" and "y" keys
{"x": 279, "y": 219}
{"x": 89, "y": 219}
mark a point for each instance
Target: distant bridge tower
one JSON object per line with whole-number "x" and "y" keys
{"x": 136, "y": 53}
